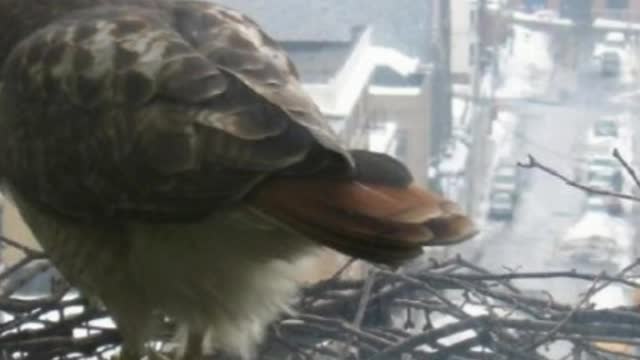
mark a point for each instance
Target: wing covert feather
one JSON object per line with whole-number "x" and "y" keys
{"x": 150, "y": 112}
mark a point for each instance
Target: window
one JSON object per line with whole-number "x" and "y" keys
{"x": 618, "y": 4}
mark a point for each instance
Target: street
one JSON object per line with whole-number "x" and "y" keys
{"x": 554, "y": 133}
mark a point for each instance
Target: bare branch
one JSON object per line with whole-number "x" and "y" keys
{"x": 453, "y": 309}
{"x": 535, "y": 164}
{"x": 627, "y": 167}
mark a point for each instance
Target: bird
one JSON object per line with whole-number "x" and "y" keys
{"x": 168, "y": 160}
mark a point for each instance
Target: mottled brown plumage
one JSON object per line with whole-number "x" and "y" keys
{"x": 170, "y": 111}
{"x": 168, "y": 160}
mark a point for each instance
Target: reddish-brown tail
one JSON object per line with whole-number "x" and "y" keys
{"x": 379, "y": 223}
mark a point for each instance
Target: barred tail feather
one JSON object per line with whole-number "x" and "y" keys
{"x": 375, "y": 222}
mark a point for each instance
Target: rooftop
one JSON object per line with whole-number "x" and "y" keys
{"x": 317, "y": 62}
{"x": 400, "y": 24}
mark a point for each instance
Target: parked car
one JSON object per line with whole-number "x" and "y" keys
{"x": 507, "y": 178}
{"x": 605, "y": 204}
{"x": 605, "y": 128}
{"x": 610, "y": 63}
{"x": 594, "y": 239}
{"x": 602, "y": 138}
{"x": 605, "y": 168}
{"x": 602, "y": 168}
{"x": 501, "y": 205}
{"x": 603, "y": 182}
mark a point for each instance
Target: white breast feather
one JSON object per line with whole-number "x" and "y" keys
{"x": 228, "y": 276}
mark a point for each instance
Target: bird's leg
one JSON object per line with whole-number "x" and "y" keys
{"x": 193, "y": 347}
{"x": 133, "y": 324}
{"x": 157, "y": 356}
{"x": 127, "y": 353}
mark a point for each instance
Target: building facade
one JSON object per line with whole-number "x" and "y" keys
{"x": 624, "y": 10}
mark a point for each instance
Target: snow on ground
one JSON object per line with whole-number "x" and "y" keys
{"x": 502, "y": 134}
{"x": 599, "y": 238}
{"x": 626, "y": 98}
{"x": 455, "y": 159}
{"x": 451, "y": 168}
{"x": 601, "y": 225}
{"x": 501, "y": 143}
{"x": 610, "y": 297}
{"x": 460, "y": 111}
{"x": 526, "y": 65}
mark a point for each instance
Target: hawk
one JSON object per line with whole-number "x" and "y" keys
{"x": 167, "y": 159}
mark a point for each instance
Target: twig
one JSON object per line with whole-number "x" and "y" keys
{"x": 364, "y": 299}
{"x": 535, "y": 164}
{"x": 544, "y": 275}
{"x": 431, "y": 336}
{"x": 454, "y": 298}
{"x": 25, "y": 249}
{"x": 548, "y": 336}
{"x": 627, "y": 167}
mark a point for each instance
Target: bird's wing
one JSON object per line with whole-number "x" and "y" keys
{"x": 161, "y": 115}
{"x": 170, "y": 113}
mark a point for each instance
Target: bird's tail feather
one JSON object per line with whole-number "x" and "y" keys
{"x": 369, "y": 220}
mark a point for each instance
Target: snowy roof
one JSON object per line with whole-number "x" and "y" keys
{"x": 403, "y": 24}
{"x": 395, "y": 90}
{"x": 536, "y": 18}
{"x": 319, "y": 62}
{"x": 611, "y": 24}
{"x": 338, "y": 96}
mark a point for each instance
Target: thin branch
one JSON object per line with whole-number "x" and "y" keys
{"x": 544, "y": 275}
{"x": 364, "y": 299}
{"x": 627, "y": 167}
{"x": 535, "y": 164}
{"x": 25, "y": 249}
{"x": 548, "y": 336}
{"x": 467, "y": 312}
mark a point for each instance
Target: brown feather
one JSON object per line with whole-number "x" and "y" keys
{"x": 195, "y": 107}
{"x": 374, "y": 222}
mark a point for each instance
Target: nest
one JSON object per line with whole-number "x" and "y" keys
{"x": 446, "y": 310}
